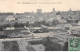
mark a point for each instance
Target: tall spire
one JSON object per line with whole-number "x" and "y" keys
{"x": 70, "y": 9}
{"x": 53, "y": 9}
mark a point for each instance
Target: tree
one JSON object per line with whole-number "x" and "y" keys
{"x": 48, "y": 44}
{"x": 58, "y": 13}
{"x": 16, "y": 24}
{"x": 55, "y": 22}
{"x": 27, "y": 23}
{"x": 65, "y": 46}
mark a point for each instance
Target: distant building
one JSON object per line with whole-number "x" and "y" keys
{"x": 79, "y": 23}
{"x": 70, "y": 12}
{"x": 66, "y": 26}
{"x": 58, "y": 17}
{"x": 22, "y": 20}
{"x": 64, "y": 15}
{"x": 26, "y": 19}
{"x": 39, "y": 11}
{"x": 53, "y": 9}
{"x": 62, "y": 21}
{"x": 10, "y": 18}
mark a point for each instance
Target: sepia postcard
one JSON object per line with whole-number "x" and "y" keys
{"x": 39, "y": 25}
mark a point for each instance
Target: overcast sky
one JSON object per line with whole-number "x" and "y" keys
{"x": 32, "y": 5}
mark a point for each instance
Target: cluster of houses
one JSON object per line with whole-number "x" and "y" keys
{"x": 69, "y": 23}
{"x": 69, "y": 18}
{"x": 31, "y": 17}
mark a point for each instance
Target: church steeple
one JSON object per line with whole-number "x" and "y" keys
{"x": 53, "y": 9}
{"x": 70, "y": 9}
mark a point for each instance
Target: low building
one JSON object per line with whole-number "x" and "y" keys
{"x": 79, "y": 23}
{"x": 64, "y": 25}
{"x": 62, "y": 21}
{"x": 9, "y": 18}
